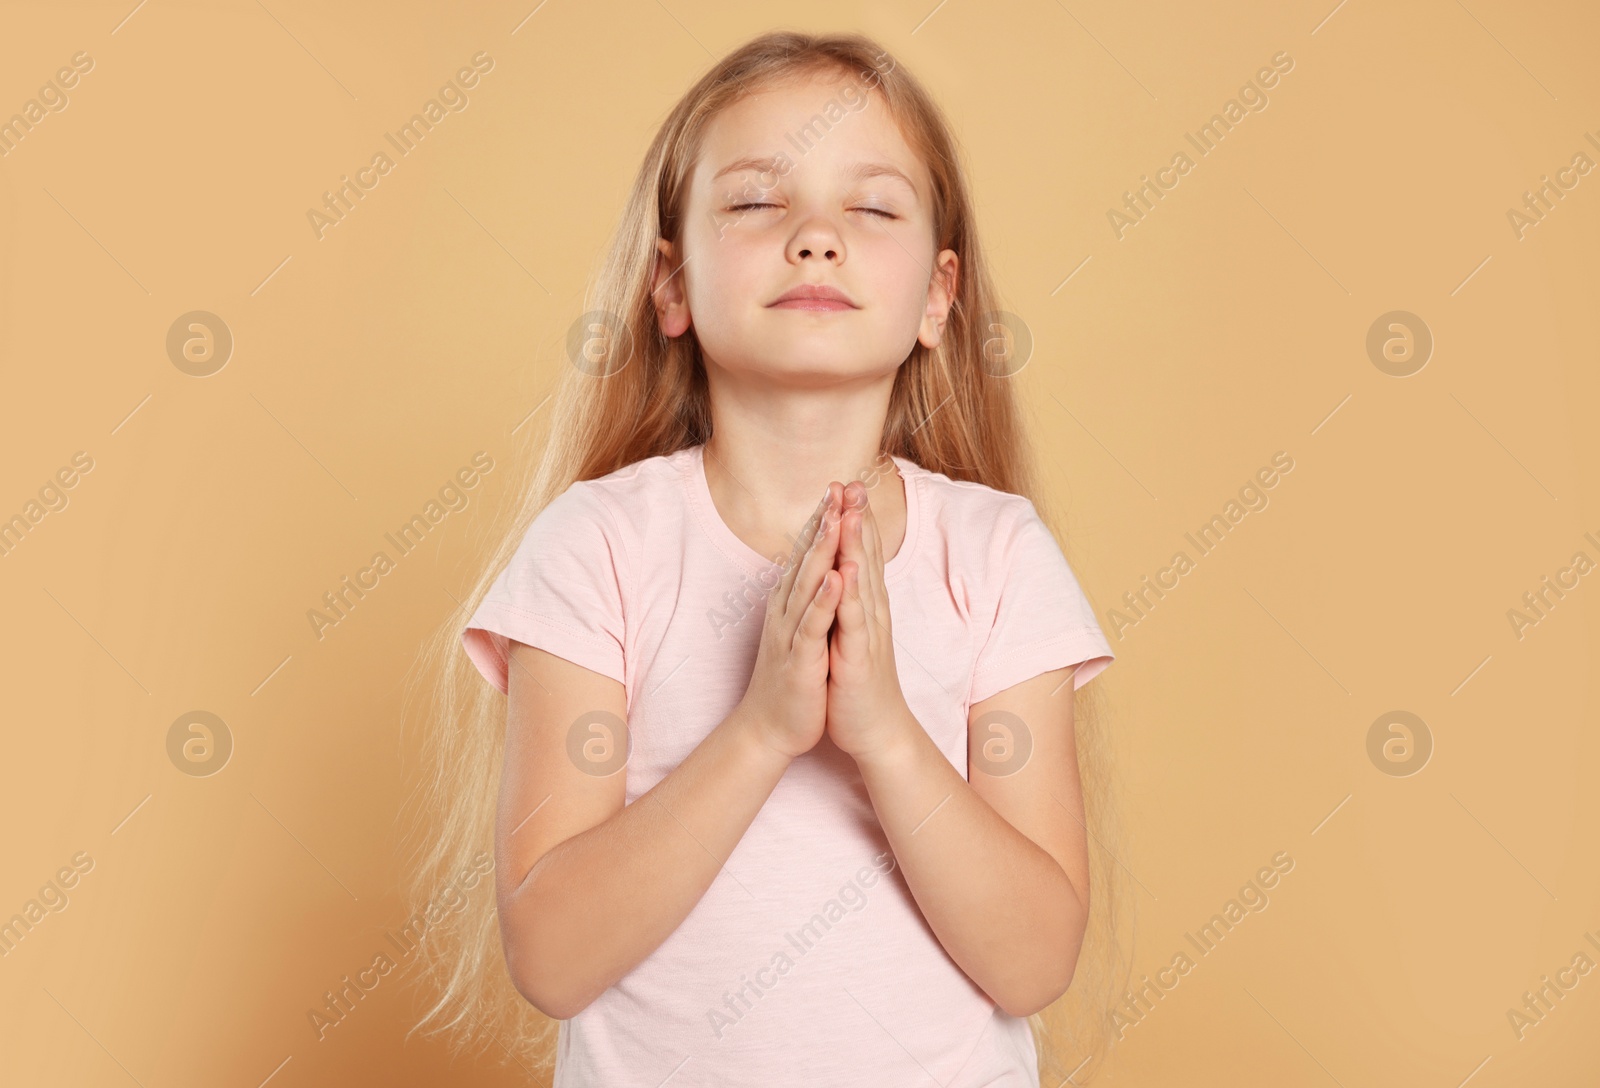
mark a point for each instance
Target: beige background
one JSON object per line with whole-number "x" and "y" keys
{"x": 1231, "y": 323}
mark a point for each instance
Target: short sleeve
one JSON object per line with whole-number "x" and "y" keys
{"x": 1042, "y": 620}
{"x": 562, "y": 592}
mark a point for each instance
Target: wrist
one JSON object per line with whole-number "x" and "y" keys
{"x": 896, "y": 750}
{"x": 756, "y": 739}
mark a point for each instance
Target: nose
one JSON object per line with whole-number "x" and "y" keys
{"x": 817, "y": 237}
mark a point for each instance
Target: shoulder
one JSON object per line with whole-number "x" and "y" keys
{"x": 620, "y": 498}
{"x": 967, "y": 511}
{"x": 609, "y": 515}
{"x": 631, "y": 497}
{"x": 586, "y": 536}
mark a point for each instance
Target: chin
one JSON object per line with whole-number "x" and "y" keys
{"x": 804, "y": 367}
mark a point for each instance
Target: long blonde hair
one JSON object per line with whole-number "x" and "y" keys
{"x": 952, "y": 410}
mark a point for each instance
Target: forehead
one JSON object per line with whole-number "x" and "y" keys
{"x": 823, "y": 124}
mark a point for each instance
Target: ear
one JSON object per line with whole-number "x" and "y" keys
{"x": 941, "y": 296}
{"x": 671, "y": 301}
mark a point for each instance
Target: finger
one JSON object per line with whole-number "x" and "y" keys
{"x": 852, "y": 636}
{"x": 802, "y": 541}
{"x": 818, "y": 617}
{"x": 871, "y": 559}
{"x": 851, "y": 509}
{"x": 779, "y": 604}
{"x": 818, "y": 561}
{"x": 791, "y": 564}
{"x": 874, "y": 538}
{"x": 881, "y": 561}
{"x": 878, "y": 591}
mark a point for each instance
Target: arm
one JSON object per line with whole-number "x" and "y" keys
{"x": 571, "y": 858}
{"x": 998, "y": 864}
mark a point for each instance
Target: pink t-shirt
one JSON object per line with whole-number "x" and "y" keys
{"x": 807, "y": 961}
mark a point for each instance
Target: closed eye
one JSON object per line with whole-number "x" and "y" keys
{"x": 874, "y": 211}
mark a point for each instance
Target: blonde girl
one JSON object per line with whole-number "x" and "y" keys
{"x": 772, "y": 728}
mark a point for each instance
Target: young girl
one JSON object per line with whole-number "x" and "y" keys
{"x": 784, "y": 786}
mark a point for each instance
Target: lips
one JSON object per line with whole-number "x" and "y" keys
{"x": 814, "y": 296}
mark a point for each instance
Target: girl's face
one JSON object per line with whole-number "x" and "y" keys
{"x": 798, "y": 186}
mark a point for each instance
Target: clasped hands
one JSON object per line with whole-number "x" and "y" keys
{"x": 866, "y": 710}
{"x": 825, "y": 662}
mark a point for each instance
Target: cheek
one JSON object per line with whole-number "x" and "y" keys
{"x": 903, "y": 287}
{"x": 722, "y": 267}
{"x": 723, "y": 285}
{"x": 899, "y": 271}
{"x": 720, "y": 286}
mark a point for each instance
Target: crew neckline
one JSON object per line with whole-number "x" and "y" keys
{"x": 728, "y": 542}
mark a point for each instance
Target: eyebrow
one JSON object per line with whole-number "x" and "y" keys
{"x": 860, "y": 172}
